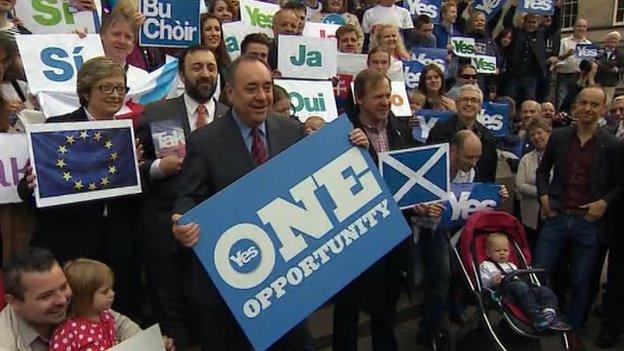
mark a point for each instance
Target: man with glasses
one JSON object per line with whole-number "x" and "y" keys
{"x": 166, "y": 261}
{"x": 468, "y": 103}
{"x": 466, "y": 74}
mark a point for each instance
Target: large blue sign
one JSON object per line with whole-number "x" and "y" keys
{"x": 466, "y": 199}
{"x": 282, "y": 240}
{"x": 489, "y": 7}
{"x": 428, "y": 56}
{"x": 170, "y": 23}
{"x": 495, "y": 117}
{"x": 411, "y": 73}
{"x": 430, "y": 8}
{"x": 538, "y": 7}
{"x": 416, "y": 175}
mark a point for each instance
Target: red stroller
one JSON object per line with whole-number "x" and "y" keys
{"x": 470, "y": 252}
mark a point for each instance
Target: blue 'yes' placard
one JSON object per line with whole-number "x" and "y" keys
{"x": 282, "y": 240}
{"x": 466, "y": 199}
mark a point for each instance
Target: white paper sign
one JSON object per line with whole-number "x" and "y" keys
{"x": 351, "y": 63}
{"x": 233, "y": 35}
{"x": 307, "y": 58}
{"x": 399, "y": 101}
{"x": 463, "y": 46}
{"x": 259, "y": 15}
{"x": 320, "y": 30}
{"x": 149, "y": 339}
{"x": 311, "y": 98}
{"x": 56, "y": 16}
{"x": 484, "y": 64}
{"x": 13, "y": 159}
{"x": 51, "y": 62}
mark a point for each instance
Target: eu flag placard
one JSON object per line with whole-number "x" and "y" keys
{"x": 83, "y": 161}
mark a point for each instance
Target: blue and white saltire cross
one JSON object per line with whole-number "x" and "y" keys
{"x": 417, "y": 175}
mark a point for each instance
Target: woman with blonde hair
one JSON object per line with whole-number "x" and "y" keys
{"x": 388, "y": 38}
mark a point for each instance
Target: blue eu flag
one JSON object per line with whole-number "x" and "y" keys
{"x": 80, "y": 161}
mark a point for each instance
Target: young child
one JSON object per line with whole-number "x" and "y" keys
{"x": 91, "y": 325}
{"x": 312, "y": 124}
{"x": 539, "y": 302}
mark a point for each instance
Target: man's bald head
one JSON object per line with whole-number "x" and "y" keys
{"x": 529, "y": 109}
{"x": 548, "y": 110}
{"x": 285, "y": 22}
{"x": 466, "y": 150}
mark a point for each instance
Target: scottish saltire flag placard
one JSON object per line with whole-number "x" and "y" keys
{"x": 83, "y": 161}
{"x": 286, "y": 237}
{"x": 417, "y": 175}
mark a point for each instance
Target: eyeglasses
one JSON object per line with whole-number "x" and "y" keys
{"x": 469, "y": 100}
{"x": 108, "y": 89}
{"x": 468, "y": 76}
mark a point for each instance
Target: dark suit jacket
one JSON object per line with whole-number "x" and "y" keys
{"x": 76, "y": 230}
{"x": 485, "y": 171}
{"x": 555, "y": 158}
{"x": 155, "y": 216}
{"x": 615, "y": 214}
{"x": 216, "y": 157}
{"x": 605, "y": 76}
{"x": 538, "y": 42}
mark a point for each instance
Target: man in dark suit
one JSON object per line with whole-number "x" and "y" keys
{"x": 160, "y": 123}
{"x": 576, "y": 198}
{"x": 469, "y": 100}
{"x": 217, "y": 156}
{"x": 99, "y": 229}
{"x": 376, "y": 291}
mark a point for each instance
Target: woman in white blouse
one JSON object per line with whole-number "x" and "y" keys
{"x": 538, "y": 130}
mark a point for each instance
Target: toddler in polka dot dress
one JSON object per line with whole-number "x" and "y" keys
{"x": 90, "y": 326}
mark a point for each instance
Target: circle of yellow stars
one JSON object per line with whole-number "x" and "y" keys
{"x": 105, "y": 179}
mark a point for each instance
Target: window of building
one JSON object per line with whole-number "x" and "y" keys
{"x": 569, "y": 11}
{"x": 618, "y": 12}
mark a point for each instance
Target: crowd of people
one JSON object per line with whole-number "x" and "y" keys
{"x": 94, "y": 266}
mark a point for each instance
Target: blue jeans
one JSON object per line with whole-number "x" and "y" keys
{"x": 531, "y": 298}
{"x": 433, "y": 249}
{"x": 582, "y": 236}
{"x": 521, "y": 88}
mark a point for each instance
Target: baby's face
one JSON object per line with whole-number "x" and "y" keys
{"x": 498, "y": 250}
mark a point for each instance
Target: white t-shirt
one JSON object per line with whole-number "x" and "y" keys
{"x": 394, "y": 15}
{"x": 489, "y": 269}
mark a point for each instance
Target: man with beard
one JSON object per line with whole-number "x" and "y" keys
{"x": 163, "y": 121}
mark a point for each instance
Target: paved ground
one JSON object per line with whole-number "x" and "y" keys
{"x": 321, "y": 324}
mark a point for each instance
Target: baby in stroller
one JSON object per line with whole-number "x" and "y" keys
{"x": 538, "y": 302}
